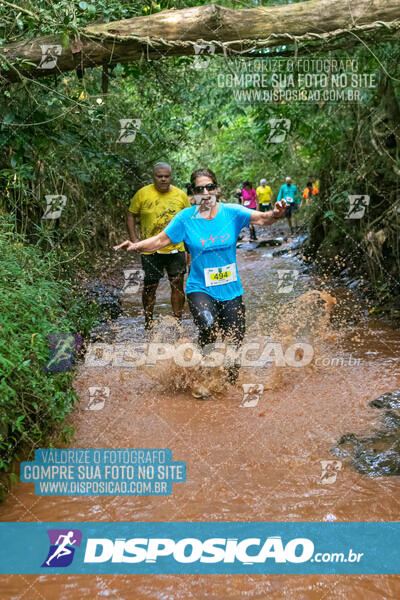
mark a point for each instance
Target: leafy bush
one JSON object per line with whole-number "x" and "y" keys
{"x": 34, "y": 305}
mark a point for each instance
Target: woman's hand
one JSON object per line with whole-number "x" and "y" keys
{"x": 279, "y": 209}
{"x": 128, "y": 245}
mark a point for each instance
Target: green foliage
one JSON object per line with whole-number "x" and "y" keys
{"x": 34, "y": 304}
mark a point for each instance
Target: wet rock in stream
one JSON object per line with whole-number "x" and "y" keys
{"x": 271, "y": 242}
{"x": 389, "y": 401}
{"x": 294, "y": 247}
{"x": 377, "y": 455}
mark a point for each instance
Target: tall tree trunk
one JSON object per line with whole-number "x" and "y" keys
{"x": 175, "y": 32}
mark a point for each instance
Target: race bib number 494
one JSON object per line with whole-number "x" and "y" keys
{"x": 220, "y": 275}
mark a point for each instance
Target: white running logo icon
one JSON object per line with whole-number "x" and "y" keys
{"x": 62, "y": 550}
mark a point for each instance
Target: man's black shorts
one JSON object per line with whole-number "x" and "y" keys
{"x": 154, "y": 264}
{"x": 290, "y": 209}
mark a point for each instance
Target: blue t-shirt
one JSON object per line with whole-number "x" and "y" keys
{"x": 288, "y": 193}
{"x": 212, "y": 246}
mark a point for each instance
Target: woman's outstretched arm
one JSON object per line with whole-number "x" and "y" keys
{"x": 157, "y": 242}
{"x": 269, "y": 217}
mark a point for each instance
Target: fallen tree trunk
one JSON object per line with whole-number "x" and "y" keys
{"x": 176, "y": 32}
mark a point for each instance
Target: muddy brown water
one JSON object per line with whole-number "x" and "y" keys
{"x": 243, "y": 464}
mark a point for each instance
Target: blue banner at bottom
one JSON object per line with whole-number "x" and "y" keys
{"x": 202, "y": 548}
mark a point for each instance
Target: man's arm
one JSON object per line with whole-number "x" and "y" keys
{"x": 257, "y": 201}
{"x": 131, "y": 222}
{"x": 188, "y": 260}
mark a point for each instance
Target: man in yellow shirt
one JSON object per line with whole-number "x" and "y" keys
{"x": 264, "y": 195}
{"x": 154, "y": 206}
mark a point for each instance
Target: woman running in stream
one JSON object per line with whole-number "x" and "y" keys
{"x": 210, "y": 230}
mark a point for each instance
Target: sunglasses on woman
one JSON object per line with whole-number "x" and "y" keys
{"x": 210, "y": 187}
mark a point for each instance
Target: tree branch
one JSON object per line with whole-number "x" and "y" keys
{"x": 319, "y": 23}
{"x": 24, "y": 10}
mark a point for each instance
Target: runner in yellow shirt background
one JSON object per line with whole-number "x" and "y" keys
{"x": 264, "y": 194}
{"x": 152, "y": 208}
